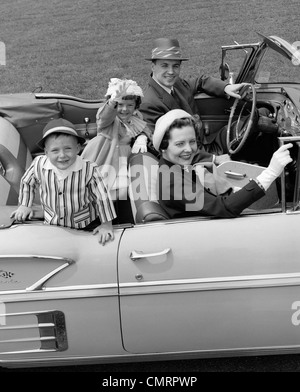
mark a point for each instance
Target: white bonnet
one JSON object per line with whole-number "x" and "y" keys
{"x": 132, "y": 87}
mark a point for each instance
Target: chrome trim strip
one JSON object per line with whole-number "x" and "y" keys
{"x": 246, "y": 213}
{"x": 26, "y": 256}
{"x": 27, "y": 313}
{"x": 39, "y": 284}
{"x": 208, "y": 284}
{"x": 58, "y": 293}
{"x": 154, "y": 287}
{"x": 40, "y": 339}
{"x": 100, "y": 286}
{"x": 29, "y": 326}
{"x": 127, "y": 357}
{"x": 282, "y": 141}
{"x": 66, "y": 288}
{"x": 27, "y": 352}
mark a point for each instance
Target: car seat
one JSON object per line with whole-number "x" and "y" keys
{"x": 15, "y": 158}
{"x": 143, "y": 169}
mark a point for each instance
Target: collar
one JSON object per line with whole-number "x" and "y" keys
{"x": 168, "y": 90}
{"x": 187, "y": 168}
{"x": 76, "y": 166}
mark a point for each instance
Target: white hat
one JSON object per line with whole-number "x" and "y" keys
{"x": 131, "y": 86}
{"x": 164, "y": 122}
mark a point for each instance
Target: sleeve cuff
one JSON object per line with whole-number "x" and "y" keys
{"x": 259, "y": 184}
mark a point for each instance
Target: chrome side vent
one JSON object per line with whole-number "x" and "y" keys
{"x": 33, "y": 332}
{"x": 53, "y": 332}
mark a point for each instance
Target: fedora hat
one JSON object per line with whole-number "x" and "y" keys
{"x": 164, "y": 122}
{"x": 59, "y": 125}
{"x": 166, "y": 49}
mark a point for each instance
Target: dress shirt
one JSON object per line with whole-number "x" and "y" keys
{"x": 72, "y": 198}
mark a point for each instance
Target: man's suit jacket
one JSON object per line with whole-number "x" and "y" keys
{"x": 158, "y": 101}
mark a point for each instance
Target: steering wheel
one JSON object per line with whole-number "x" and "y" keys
{"x": 237, "y": 136}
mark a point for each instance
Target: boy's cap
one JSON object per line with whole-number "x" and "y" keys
{"x": 59, "y": 125}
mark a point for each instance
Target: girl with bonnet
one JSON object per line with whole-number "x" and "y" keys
{"x": 120, "y": 132}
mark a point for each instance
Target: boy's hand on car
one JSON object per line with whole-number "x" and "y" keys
{"x": 22, "y": 213}
{"x": 105, "y": 233}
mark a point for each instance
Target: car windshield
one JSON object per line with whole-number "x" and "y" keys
{"x": 235, "y": 59}
{"x": 275, "y": 68}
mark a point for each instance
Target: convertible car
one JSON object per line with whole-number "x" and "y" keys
{"x": 165, "y": 288}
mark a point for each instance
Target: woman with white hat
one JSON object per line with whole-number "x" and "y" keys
{"x": 185, "y": 188}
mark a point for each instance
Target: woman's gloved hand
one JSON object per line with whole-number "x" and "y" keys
{"x": 279, "y": 160}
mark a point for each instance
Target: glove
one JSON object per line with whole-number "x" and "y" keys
{"x": 279, "y": 160}
{"x": 140, "y": 144}
{"x": 119, "y": 91}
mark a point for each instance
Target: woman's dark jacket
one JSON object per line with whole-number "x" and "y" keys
{"x": 181, "y": 193}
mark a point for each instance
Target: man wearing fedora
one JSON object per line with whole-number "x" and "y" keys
{"x": 167, "y": 91}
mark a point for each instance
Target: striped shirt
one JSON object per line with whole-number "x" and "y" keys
{"x": 73, "y": 200}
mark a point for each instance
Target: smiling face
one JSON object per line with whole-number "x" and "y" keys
{"x": 166, "y": 72}
{"x": 62, "y": 150}
{"x": 125, "y": 109}
{"x": 182, "y": 146}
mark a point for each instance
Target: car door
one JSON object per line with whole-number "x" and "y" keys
{"x": 210, "y": 285}
{"x": 58, "y": 294}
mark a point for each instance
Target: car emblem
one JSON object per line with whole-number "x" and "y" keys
{"x": 6, "y": 274}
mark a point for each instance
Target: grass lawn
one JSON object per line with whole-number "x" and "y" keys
{"x": 75, "y": 46}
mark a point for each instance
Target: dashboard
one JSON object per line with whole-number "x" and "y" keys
{"x": 283, "y": 111}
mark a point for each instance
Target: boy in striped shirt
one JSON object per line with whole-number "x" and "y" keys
{"x": 72, "y": 190}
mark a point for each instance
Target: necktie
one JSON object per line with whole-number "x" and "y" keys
{"x": 175, "y": 96}
{"x": 181, "y": 101}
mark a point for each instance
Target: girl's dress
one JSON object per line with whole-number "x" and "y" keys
{"x": 111, "y": 147}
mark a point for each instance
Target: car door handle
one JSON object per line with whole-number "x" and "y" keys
{"x": 232, "y": 174}
{"x": 136, "y": 254}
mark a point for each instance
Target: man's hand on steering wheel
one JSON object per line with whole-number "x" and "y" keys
{"x": 233, "y": 89}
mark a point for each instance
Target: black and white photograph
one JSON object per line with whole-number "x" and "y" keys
{"x": 149, "y": 189}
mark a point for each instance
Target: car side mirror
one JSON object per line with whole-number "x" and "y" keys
{"x": 224, "y": 71}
